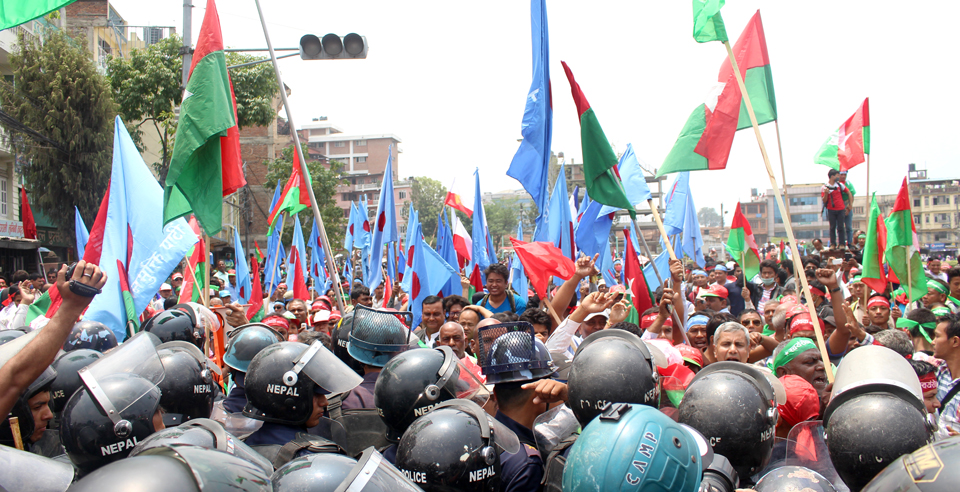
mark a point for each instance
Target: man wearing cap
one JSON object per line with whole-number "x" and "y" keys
{"x": 594, "y": 307}
{"x": 847, "y": 205}
{"x": 692, "y": 358}
{"x": 934, "y": 268}
{"x": 176, "y": 282}
{"x": 231, "y": 285}
{"x": 225, "y": 297}
{"x": 832, "y": 195}
{"x": 165, "y": 291}
{"x": 321, "y": 321}
{"x": 715, "y": 298}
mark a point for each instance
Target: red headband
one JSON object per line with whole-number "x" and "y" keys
{"x": 814, "y": 290}
{"x": 928, "y": 381}
{"x": 877, "y": 300}
{"x": 647, "y": 321}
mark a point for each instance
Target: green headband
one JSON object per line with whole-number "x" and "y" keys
{"x": 937, "y": 286}
{"x": 910, "y": 324}
{"x": 791, "y": 350}
{"x": 941, "y": 310}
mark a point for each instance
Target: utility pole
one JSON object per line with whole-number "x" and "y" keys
{"x": 187, "y": 49}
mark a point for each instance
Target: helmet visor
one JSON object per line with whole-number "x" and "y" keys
{"x": 136, "y": 356}
{"x": 13, "y": 347}
{"x": 21, "y": 468}
{"x": 373, "y": 473}
{"x": 511, "y": 348}
{"x": 326, "y": 369}
{"x": 553, "y": 426}
{"x": 217, "y": 470}
{"x": 181, "y": 346}
{"x": 205, "y": 317}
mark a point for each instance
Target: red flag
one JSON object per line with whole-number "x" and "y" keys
{"x": 542, "y": 260}
{"x": 230, "y": 159}
{"x": 476, "y": 280}
{"x": 633, "y": 274}
{"x": 453, "y": 200}
{"x": 299, "y": 286}
{"x": 295, "y": 196}
{"x": 26, "y": 215}
{"x": 387, "y": 289}
{"x": 256, "y": 297}
{"x": 91, "y": 253}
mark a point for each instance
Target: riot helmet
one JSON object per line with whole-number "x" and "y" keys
{"x": 7, "y": 335}
{"x": 928, "y": 469}
{"x": 115, "y": 407}
{"x": 341, "y": 338}
{"x": 42, "y": 474}
{"x": 205, "y": 433}
{"x": 328, "y": 472}
{"x": 377, "y": 336}
{"x": 67, "y": 366}
{"x": 456, "y": 446}
{"x": 418, "y": 380}
{"x": 794, "y": 478}
{"x": 21, "y": 408}
{"x": 175, "y": 324}
{"x": 611, "y": 366}
{"x": 282, "y": 378}
{"x": 246, "y": 342}
{"x": 510, "y": 352}
{"x": 635, "y": 447}
{"x": 875, "y": 415}
{"x": 181, "y": 467}
{"x": 186, "y": 391}
{"x": 89, "y": 334}
{"x": 734, "y": 405}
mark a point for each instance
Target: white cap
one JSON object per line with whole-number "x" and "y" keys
{"x": 836, "y": 261}
{"x": 321, "y": 315}
{"x": 605, "y": 313}
{"x": 731, "y": 265}
{"x": 165, "y": 286}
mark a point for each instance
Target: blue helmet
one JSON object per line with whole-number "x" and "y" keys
{"x": 246, "y": 342}
{"x": 377, "y": 336}
{"x": 634, "y": 447}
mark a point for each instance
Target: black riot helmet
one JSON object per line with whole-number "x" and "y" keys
{"x": 89, "y": 334}
{"x": 186, "y": 391}
{"x": 341, "y": 339}
{"x": 246, "y": 342}
{"x": 734, "y": 406}
{"x": 21, "y": 408}
{"x": 175, "y": 324}
{"x": 68, "y": 381}
{"x": 23, "y": 470}
{"x": 377, "y": 336}
{"x": 115, "y": 407}
{"x": 328, "y": 472}
{"x": 418, "y": 380}
{"x": 456, "y": 446}
{"x": 205, "y": 433}
{"x": 611, "y": 366}
{"x": 875, "y": 415}
{"x": 183, "y": 468}
{"x": 7, "y": 335}
{"x": 928, "y": 469}
{"x": 510, "y": 352}
{"x": 794, "y": 478}
{"x": 282, "y": 378}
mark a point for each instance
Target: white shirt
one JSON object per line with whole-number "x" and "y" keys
{"x": 564, "y": 338}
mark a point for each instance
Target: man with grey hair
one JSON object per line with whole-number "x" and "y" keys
{"x": 732, "y": 342}
{"x": 896, "y": 340}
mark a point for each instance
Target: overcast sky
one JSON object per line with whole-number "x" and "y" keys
{"x": 450, "y": 79}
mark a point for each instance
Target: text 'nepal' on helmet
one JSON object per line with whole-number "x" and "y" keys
{"x": 282, "y": 379}
{"x": 611, "y": 366}
{"x": 876, "y": 414}
{"x": 341, "y": 338}
{"x": 635, "y": 447}
{"x": 418, "y": 380}
{"x": 67, "y": 366}
{"x": 42, "y": 474}
{"x": 183, "y": 468}
{"x": 377, "y": 336}
{"x": 794, "y": 478}
{"x": 734, "y": 405}
{"x": 511, "y": 352}
{"x": 114, "y": 408}
{"x": 931, "y": 468}
{"x": 175, "y": 324}
{"x": 89, "y": 334}
{"x": 186, "y": 391}
{"x": 205, "y": 433}
{"x": 328, "y": 472}
{"x": 246, "y": 342}
{"x": 21, "y": 408}
{"x": 456, "y": 446}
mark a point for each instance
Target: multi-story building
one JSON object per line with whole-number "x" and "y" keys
{"x": 806, "y": 215}
{"x": 936, "y": 211}
{"x": 756, "y": 214}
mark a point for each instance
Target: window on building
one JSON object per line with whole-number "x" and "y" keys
{"x": 803, "y": 200}
{"x": 801, "y": 219}
{"x": 941, "y": 218}
{"x": 857, "y": 210}
{"x": 346, "y": 197}
{"x": 340, "y": 144}
{"x": 318, "y": 145}
{"x": 750, "y": 209}
{"x": 916, "y": 219}
{"x": 403, "y": 194}
{"x": 941, "y": 200}
{"x": 360, "y": 143}
{"x": 346, "y": 213}
{"x": 916, "y": 202}
{"x": 4, "y": 197}
{"x": 926, "y": 201}
{"x": 926, "y": 218}
{"x": 360, "y": 159}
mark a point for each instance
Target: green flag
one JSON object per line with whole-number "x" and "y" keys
{"x": 707, "y": 23}
{"x": 902, "y": 253}
{"x": 17, "y": 12}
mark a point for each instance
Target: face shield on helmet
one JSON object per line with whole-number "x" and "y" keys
{"x": 377, "y": 336}
{"x": 21, "y": 468}
{"x": 206, "y": 434}
{"x": 511, "y": 352}
{"x": 320, "y": 365}
{"x": 68, "y": 366}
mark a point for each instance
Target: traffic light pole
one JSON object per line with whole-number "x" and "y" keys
{"x": 331, "y": 266}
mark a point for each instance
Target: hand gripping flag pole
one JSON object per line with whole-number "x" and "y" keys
{"x": 331, "y": 267}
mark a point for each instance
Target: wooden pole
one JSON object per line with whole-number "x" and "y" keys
{"x": 677, "y": 323}
{"x": 331, "y": 266}
{"x": 783, "y": 172}
{"x": 553, "y": 312}
{"x": 276, "y": 255}
{"x": 780, "y": 203}
{"x": 205, "y": 294}
{"x": 15, "y": 429}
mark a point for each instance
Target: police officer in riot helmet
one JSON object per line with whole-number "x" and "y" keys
{"x": 244, "y": 344}
{"x": 511, "y": 358}
{"x": 33, "y": 412}
{"x": 457, "y": 446}
{"x": 175, "y": 324}
{"x": 89, "y": 334}
{"x": 341, "y": 337}
{"x": 928, "y": 469}
{"x": 326, "y": 472}
{"x": 376, "y": 337}
{"x": 67, "y": 365}
{"x": 287, "y": 385}
{"x": 205, "y": 433}
{"x": 734, "y": 405}
{"x": 187, "y": 389}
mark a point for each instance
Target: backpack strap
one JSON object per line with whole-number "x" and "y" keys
{"x": 334, "y": 403}
{"x": 311, "y": 443}
{"x": 555, "y": 463}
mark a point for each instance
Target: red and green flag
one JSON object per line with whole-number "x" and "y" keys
{"x": 133, "y": 322}
{"x": 256, "y": 311}
{"x": 707, "y": 22}
{"x": 206, "y": 163}
{"x": 705, "y": 140}
{"x": 873, "y": 250}
{"x": 633, "y": 275}
{"x": 295, "y": 197}
{"x": 742, "y": 246}
{"x": 193, "y": 282}
{"x": 848, "y": 145}
{"x": 15, "y": 13}
{"x": 902, "y": 252}
{"x": 599, "y": 161}
{"x": 43, "y": 308}
{"x": 259, "y": 253}
{"x": 783, "y": 252}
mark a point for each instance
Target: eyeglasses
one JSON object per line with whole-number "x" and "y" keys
{"x": 751, "y": 322}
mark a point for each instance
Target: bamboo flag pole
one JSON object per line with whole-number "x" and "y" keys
{"x": 786, "y": 223}
{"x": 783, "y": 172}
{"x": 677, "y": 322}
{"x": 331, "y": 266}
{"x": 276, "y": 255}
{"x": 15, "y": 430}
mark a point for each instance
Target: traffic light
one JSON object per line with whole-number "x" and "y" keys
{"x": 333, "y": 47}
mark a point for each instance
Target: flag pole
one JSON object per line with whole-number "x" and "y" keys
{"x": 643, "y": 242}
{"x": 868, "y": 182}
{"x": 331, "y": 267}
{"x": 276, "y": 255}
{"x": 205, "y": 293}
{"x": 783, "y": 172}
{"x": 745, "y": 96}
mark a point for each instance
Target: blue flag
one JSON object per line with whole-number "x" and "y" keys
{"x": 271, "y": 268}
{"x": 593, "y": 229}
{"x": 607, "y": 266}
{"x": 361, "y": 238}
{"x": 133, "y": 211}
{"x": 384, "y": 227}
{"x": 449, "y": 254}
{"x": 518, "y": 279}
{"x": 81, "y": 231}
{"x": 634, "y": 182}
{"x": 531, "y": 163}
{"x": 244, "y": 284}
{"x": 351, "y": 224}
{"x": 559, "y": 221}
{"x": 681, "y": 218}
{"x": 662, "y": 261}
{"x": 429, "y": 274}
{"x": 318, "y": 261}
{"x": 483, "y": 251}
{"x": 348, "y": 272}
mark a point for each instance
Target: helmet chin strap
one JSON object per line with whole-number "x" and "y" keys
{"x": 121, "y": 426}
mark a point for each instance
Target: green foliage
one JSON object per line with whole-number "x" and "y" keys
{"x": 502, "y": 220}
{"x": 708, "y": 217}
{"x": 255, "y": 87}
{"x": 325, "y": 180}
{"x": 428, "y": 196}
{"x": 58, "y": 92}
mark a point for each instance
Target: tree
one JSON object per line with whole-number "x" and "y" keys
{"x": 428, "y": 195}
{"x": 62, "y": 112}
{"x": 502, "y": 219}
{"x": 147, "y": 88}
{"x": 325, "y": 180}
{"x": 708, "y": 217}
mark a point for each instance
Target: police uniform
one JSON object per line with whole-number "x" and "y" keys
{"x": 237, "y": 397}
{"x": 522, "y": 471}
{"x": 270, "y": 433}
{"x": 362, "y": 395}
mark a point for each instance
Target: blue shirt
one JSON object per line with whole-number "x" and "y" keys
{"x": 522, "y": 471}
{"x": 504, "y": 307}
{"x": 271, "y": 433}
{"x": 362, "y": 395}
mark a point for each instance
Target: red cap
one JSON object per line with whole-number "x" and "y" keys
{"x": 231, "y": 272}
{"x": 690, "y": 354}
{"x": 276, "y": 322}
{"x": 177, "y": 276}
{"x": 801, "y": 322}
{"x": 802, "y": 404}
{"x": 647, "y": 321}
{"x": 716, "y": 290}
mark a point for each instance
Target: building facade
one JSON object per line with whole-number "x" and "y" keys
{"x": 936, "y": 212}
